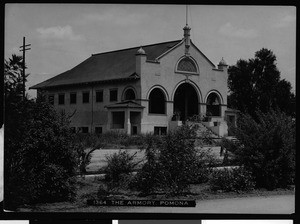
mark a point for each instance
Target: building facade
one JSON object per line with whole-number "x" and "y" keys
{"x": 148, "y": 89}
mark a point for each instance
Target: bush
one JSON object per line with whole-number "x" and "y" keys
{"x": 234, "y": 179}
{"x": 118, "y": 170}
{"x": 268, "y": 148}
{"x": 203, "y": 167}
{"x": 40, "y": 161}
{"x": 171, "y": 162}
{"x": 147, "y": 179}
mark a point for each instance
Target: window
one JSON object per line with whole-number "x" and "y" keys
{"x": 98, "y": 130}
{"x": 73, "y": 97}
{"x": 51, "y": 99}
{"x": 99, "y": 96}
{"x": 187, "y": 65}
{"x": 157, "y": 102}
{"x": 213, "y": 105}
{"x": 113, "y": 95}
{"x": 160, "y": 130}
{"x": 84, "y": 129}
{"x": 118, "y": 119}
{"x": 85, "y": 97}
{"x": 129, "y": 94}
{"x": 61, "y": 99}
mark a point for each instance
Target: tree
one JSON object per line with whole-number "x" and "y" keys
{"x": 267, "y": 148}
{"x": 255, "y": 84}
{"x": 13, "y": 78}
{"x": 40, "y": 160}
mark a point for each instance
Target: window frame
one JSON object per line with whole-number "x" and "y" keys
{"x": 110, "y": 95}
{"x": 59, "y": 99}
{"x": 102, "y": 98}
{"x": 73, "y": 93}
{"x": 187, "y": 72}
{"x": 83, "y": 98}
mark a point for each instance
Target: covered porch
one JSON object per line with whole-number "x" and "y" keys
{"x": 125, "y": 117}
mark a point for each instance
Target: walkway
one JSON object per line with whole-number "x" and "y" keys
{"x": 275, "y": 204}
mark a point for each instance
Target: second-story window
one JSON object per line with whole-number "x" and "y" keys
{"x": 85, "y": 97}
{"x": 99, "y": 96}
{"x": 61, "y": 98}
{"x": 73, "y": 98}
{"x": 113, "y": 95}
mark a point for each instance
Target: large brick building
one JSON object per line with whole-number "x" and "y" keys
{"x": 140, "y": 89}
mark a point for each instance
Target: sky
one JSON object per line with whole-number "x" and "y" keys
{"x": 64, "y": 35}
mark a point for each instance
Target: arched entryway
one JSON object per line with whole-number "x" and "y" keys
{"x": 186, "y": 101}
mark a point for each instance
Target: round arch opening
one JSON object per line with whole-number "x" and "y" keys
{"x": 213, "y": 105}
{"x": 186, "y": 101}
{"x": 157, "y": 101}
{"x": 129, "y": 94}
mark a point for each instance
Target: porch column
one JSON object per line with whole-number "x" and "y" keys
{"x": 109, "y": 120}
{"x": 127, "y": 124}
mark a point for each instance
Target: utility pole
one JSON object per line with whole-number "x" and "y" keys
{"x": 23, "y": 48}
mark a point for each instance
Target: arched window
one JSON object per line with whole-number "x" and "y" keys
{"x": 157, "y": 102}
{"x": 187, "y": 65}
{"x": 129, "y": 94}
{"x": 213, "y": 105}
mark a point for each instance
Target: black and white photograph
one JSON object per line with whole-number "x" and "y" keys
{"x": 150, "y": 108}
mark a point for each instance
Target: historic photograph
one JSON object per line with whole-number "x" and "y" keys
{"x": 150, "y": 108}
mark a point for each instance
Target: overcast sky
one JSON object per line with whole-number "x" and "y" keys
{"x": 63, "y": 35}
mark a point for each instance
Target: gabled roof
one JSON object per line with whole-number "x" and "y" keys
{"x": 106, "y": 66}
{"x": 125, "y": 104}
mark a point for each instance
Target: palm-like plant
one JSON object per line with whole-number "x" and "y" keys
{"x": 13, "y": 79}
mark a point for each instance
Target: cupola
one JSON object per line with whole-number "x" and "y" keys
{"x": 186, "y": 35}
{"x": 140, "y": 51}
{"x": 222, "y": 64}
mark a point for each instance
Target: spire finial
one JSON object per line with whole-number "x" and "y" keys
{"x": 186, "y": 15}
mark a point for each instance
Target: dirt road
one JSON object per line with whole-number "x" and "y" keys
{"x": 276, "y": 204}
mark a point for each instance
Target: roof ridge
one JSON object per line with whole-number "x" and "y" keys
{"x": 134, "y": 47}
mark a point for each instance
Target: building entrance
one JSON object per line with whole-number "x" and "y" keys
{"x": 186, "y": 101}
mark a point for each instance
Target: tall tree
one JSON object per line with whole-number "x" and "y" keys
{"x": 40, "y": 153}
{"x": 13, "y": 81}
{"x": 255, "y": 84}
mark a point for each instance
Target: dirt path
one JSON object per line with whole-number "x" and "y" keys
{"x": 276, "y": 204}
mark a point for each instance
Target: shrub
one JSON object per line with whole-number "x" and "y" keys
{"x": 203, "y": 167}
{"x": 118, "y": 170}
{"x": 147, "y": 179}
{"x": 39, "y": 158}
{"x": 171, "y": 162}
{"x": 234, "y": 179}
{"x": 102, "y": 191}
{"x": 268, "y": 148}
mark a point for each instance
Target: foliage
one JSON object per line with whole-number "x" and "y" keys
{"x": 171, "y": 163}
{"x": 13, "y": 80}
{"x": 147, "y": 179}
{"x": 233, "y": 179}
{"x": 118, "y": 170}
{"x": 267, "y": 148}
{"x": 39, "y": 161}
{"x": 203, "y": 167}
{"x": 86, "y": 143}
{"x": 255, "y": 84}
